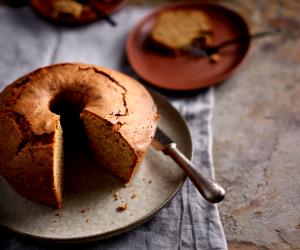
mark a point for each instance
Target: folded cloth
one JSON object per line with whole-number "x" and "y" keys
{"x": 28, "y": 42}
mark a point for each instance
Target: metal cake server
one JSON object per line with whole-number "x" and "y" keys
{"x": 198, "y": 51}
{"x": 210, "y": 189}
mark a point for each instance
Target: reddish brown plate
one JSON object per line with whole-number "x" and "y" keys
{"x": 94, "y": 11}
{"x": 186, "y": 72}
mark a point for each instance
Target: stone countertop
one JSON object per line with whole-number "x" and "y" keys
{"x": 256, "y": 125}
{"x": 256, "y": 140}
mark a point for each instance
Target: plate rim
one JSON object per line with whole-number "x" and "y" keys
{"x": 139, "y": 25}
{"x": 131, "y": 226}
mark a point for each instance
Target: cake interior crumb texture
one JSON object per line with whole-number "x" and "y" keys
{"x": 110, "y": 149}
{"x": 58, "y": 162}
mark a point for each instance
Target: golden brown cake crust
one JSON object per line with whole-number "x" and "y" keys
{"x": 26, "y": 117}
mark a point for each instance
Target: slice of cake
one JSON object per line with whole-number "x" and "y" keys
{"x": 176, "y": 30}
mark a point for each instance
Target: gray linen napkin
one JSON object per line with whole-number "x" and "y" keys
{"x": 27, "y": 42}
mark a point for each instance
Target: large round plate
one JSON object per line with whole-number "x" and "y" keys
{"x": 89, "y": 211}
{"x": 186, "y": 72}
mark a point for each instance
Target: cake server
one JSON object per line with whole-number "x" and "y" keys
{"x": 210, "y": 189}
{"x": 198, "y": 51}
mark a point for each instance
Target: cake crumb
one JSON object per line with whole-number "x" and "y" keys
{"x": 87, "y": 221}
{"x": 133, "y": 196}
{"x": 122, "y": 207}
{"x": 150, "y": 182}
{"x": 143, "y": 179}
{"x": 82, "y": 211}
{"x": 157, "y": 116}
{"x": 57, "y": 214}
{"x": 214, "y": 58}
{"x": 118, "y": 125}
{"x": 127, "y": 184}
{"x": 116, "y": 196}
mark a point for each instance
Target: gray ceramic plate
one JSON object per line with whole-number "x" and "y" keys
{"x": 90, "y": 209}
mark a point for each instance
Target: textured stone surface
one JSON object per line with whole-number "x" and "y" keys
{"x": 256, "y": 126}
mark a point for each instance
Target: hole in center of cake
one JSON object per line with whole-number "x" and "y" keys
{"x": 69, "y": 105}
{"x": 68, "y": 102}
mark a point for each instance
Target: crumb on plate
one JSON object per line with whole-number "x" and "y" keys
{"x": 116, "y": 196}
{"x": 133, "y": 196}
{"x": 122, "y": 207}
{"x": 127, "y": 185}
{"x": 214, "y": 58}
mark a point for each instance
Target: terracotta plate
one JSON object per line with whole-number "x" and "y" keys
{"x": 187, "y": 72}
{"x": 89, "y": 211}
{"x": 100, "y": 9}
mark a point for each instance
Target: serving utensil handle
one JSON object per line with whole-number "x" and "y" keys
{"x": 247, "y": 37}
{"x": 210, "y": 189}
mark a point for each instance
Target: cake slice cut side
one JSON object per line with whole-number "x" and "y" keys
{"x": 58, "y": 164}
{"x": 110, "y": 149}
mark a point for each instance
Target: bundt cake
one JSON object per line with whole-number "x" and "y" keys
{"x": 118, "y": 114}
{"x": 177, "y": 29}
